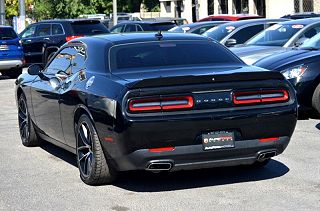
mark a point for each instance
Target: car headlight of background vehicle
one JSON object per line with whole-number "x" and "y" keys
{"x": 294, "y": 72}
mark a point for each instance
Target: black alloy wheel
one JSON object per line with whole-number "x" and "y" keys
{"x": 84, "y": 149}
{"x": 92, "y": 163}
{"x": 27, "y": 132}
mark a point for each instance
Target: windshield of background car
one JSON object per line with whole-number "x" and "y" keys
{"x": 7, "y": 34}
{"x": 219, "y": 32}
{"x": 166, "y": 54}
{"x": 179, "y": 29}
{"x": 162, "y": 26}
{"x": 88, "y": 28}
{"x": 314, "y": 42}
{"x": 276, "y": 35}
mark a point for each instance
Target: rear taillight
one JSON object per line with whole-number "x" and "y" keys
{"x": 256, "y": 97}
{"x": 159, "y": 104}
{"x": 69, "y": 38}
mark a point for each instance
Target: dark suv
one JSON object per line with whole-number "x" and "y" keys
{"x": 41, "y": 40}
{"x": 138, "y": 26}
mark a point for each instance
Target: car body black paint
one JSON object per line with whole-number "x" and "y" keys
{"x": 132, "y": 135}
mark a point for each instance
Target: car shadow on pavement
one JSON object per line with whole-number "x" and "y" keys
{"x": 149, "y": 182}
{"x": 143, "y": 181}
{"x": 60, "y": 153}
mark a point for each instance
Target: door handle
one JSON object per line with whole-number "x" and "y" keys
{"x": 47, "y": 38}
{"x": 27, "y": 41}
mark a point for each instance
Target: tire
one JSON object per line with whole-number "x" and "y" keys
{"x": 316, "y": 100}
{"x": 260, "y": 164}
{"x": 27, "y": 133}
{"x": 93, "y": 166}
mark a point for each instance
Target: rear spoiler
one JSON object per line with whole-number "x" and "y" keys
{"x": 189, "y": 80}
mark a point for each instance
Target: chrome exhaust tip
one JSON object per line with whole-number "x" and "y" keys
{"x": 266, "y": 155}
{"x": 159, "y": 166}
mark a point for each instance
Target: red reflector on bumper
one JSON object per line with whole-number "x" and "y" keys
{"x": 163, "y": 149}
{"x": 269, "y": 139}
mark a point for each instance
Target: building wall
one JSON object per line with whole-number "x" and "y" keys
{"x": 273, "y": 8}
{"x": 277, "y": 9}
{"x": 187, "y": 12}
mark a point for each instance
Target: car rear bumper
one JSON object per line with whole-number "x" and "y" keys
{"x": 9, "y": 64}
{"x": 245, "y": 152}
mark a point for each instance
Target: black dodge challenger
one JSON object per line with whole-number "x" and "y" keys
{"x": 157, "y": 102}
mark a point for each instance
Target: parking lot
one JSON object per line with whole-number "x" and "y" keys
{"x": 46, "y": 178}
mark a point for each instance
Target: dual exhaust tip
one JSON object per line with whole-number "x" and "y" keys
{"x": 266, "y": 155}
{"x": 167, "y": 166}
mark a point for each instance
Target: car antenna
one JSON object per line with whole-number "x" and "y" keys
{"x": 159, "y": 35}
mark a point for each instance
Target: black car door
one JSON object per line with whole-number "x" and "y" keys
{"x": 46, "y": 95}
{"x": 68, "y": 95}
{"x": 28, "y": 38}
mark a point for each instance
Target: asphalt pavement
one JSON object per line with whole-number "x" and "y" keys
{"x": 46, "y": 178}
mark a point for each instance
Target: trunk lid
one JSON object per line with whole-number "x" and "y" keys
{"x": 202, "y": 75}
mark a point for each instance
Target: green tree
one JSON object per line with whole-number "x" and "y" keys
{"x": 12, "y": 8}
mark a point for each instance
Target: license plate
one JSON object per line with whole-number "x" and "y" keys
{"x": 218, "y": 140}
{"x": 3, "y": 47}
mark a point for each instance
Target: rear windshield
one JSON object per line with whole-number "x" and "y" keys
{"x": 162, "y": 26}
{"x": 7, "y": 34}
{"x": 276, "y": 35}
{"x": 166, "y": 54}
{"x": 219, "y": 32}
{"x": 89, "y": 28}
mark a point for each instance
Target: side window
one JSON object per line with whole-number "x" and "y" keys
{"x": 117, "y": 29}
{"x": 246, "y": 33}
{"x": 311, "y": 32}
{"x": 30, "y": 32}
{"x": 43, "y": 30}
{"x": 130, "y": 28}
{"x": 79, "y": 60}
{"x": 69, "y": 60}
{"x": 57, "y": 29}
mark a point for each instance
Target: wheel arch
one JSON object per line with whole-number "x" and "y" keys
{"x": 80, "y": 110}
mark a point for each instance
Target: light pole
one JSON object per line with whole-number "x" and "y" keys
{"x": 2, "y": 12}
{"x": 115, "y": 16}
{"x": 22, "y": 12}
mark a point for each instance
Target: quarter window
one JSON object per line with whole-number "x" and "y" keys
{"x": 57, "y": 29}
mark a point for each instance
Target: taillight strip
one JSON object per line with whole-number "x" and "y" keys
{"x": 157, "y": 104}
{"x": 264, "y": 96}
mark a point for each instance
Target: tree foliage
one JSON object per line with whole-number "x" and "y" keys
{"x": 48, "y": 9}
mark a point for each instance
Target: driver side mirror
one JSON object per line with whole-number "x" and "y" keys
{"x": 231, "y": 42}
{"x": 35, "y": 69}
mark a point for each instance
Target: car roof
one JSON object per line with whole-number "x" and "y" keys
{"x": 68, "y": 20}
{"x": 146, "y": 22}
{"x": 234, "y": 16}
{"x": 143, "y": 37}
{"x": 304, "y": 21}
{"x": 204, "y": 23}
{"x": 252, "y": 21}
